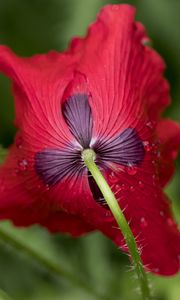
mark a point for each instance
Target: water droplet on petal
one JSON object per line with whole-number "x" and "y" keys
{"x": 47, "y": 187}
{"x": 124, "y": 187}
{"x": 147, "y": 146}
{"x": 132, "y": 188}
{"x": 16, "y": 171}
{"x": 141, "y": 184}
{"x": 113, "y": 178}
{"x": 22, "y": 165}
{"x": 117, "y": 187}
{"x": 158, "y": 153}
{"x": 19, "y": 142}
{"x": 131, "y": 169}
{"x": 144, "y": 223}
{"x": 170, "y": 222}
{"x": 155, "y": 179}
{"x": 161, "y": 213}
{"x": 150, "y": 124}
{"x": 156, "y": 270}
{"x": 108, "y": 214}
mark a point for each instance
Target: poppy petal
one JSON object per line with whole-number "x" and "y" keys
{"x": 16, "y": 202}
{"x": 66, "y": 223}
{"x": 148, "y": 212}
{"x": 124, "y": 77}
{"x": 24, "y": 207}
{"x": 38, "y": 85}
{"x": 169, "y": 134}
{"x": 128, "y": 90}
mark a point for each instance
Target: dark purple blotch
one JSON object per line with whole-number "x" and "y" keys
{"x": 77, "y": 114}
{"x": 126, "y": 148}
{"x": 55, "y": 165}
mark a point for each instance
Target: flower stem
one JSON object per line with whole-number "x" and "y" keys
{"x": 89, "y": 156}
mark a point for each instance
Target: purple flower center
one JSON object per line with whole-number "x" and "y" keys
{"x": 55, "y": 165}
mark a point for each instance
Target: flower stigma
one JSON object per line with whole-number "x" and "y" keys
{"x": 88, "y": 155}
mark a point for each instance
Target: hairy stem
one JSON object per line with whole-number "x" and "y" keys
{"x": 89, "y": 157}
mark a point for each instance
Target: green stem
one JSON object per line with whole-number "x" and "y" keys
{"x": 89, "y": 157}
{"x": 49, "y": 264}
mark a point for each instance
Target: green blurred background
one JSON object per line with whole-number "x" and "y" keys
{"x": 37, "y": 26}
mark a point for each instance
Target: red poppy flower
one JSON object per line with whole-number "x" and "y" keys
{"x": 107, "y": 92}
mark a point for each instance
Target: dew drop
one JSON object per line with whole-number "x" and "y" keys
{"x": 132, "y": 188}
{"x": 144, "y": 223}
{"x": 108, "y": 214}
{"x": 113, "y": 178}
{"x": 155, "y": 179}
{"x": 47, "y": 187}
{"x": 150, "y": 125}
{"x": 117, "y": 187}
{"x": 158, "y": 154}
{"x": 131, "y": 169}
{"x": 19, "y": 142}
{"x": 161, "y": 213}
{"x": 170, "y": 222}
{"x": 16, "y": 171}
{"x": 147, "y": 146}
{"x": 156, "y": 270}
{"x": 124, "y": 187}
{"x": 22, "y": 165}
{"x": 141, "y": 184}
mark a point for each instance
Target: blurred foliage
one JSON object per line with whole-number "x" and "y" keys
{"x": 37, "y": 26}
{"x": 3, "y": 153}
